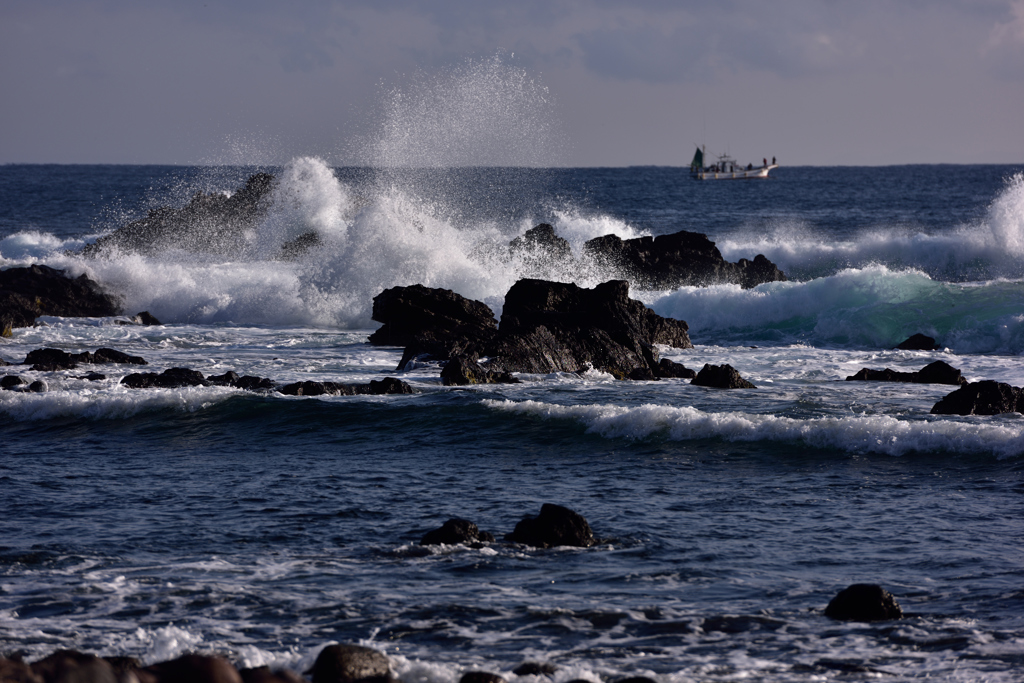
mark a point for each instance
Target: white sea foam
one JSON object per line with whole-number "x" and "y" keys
{"x": 856, "y": 434}
{"x": 108, "y": 403}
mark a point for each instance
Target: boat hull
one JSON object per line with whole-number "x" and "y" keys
{"x": 740, "y": 174}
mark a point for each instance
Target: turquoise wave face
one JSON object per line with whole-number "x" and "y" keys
{"x": 870, "y": 307}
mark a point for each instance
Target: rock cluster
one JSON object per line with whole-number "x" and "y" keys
{"x": 545, "y": 327}
{"x": 721, "y": 377}
{"x": 556, "y": 525}
{"x": 27, "y": 293}
{"x": 987, "y": 397}
{"x": 938, "y": 372}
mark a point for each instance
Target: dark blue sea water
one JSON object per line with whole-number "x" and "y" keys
{"x": 152, "y": 522}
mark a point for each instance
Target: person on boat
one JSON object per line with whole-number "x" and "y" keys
{"x": 750, "y": 167}
{"x": 765, "y": 162}
{"x": 773, "y": 161}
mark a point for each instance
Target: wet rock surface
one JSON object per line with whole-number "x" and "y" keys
{"x": 27, "y": 293}
{"x": 987, "y": 397}
{"x": 863, "y": 602}
{"x": 554, "y": 526}
{"x": 455, "y": 531}
{"x": 918, "y": 342}
{"x": 721, "y": 377}
{"x": 938, "y": 372}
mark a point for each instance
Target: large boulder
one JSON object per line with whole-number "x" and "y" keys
{"x": 720, "y": 377}
{"x": 462, "y": 370}
{"x": 71, "y": 666}
{"x": 939, "y": 372}
{"x": 212, "y": 223}
{"x": 27, "y": 293}
{"x": 863, "y": 602}
{"x": 987, "y": 397}
{"x": 918, "y": 342}
{"x": 193, "y": 668}
{"x": 456, "y": 531}
{"x": 350, "y": 663}
{"x": 554, "y": 526}
{"x": 676, "y": 260}
{"x": 561, "y": 327}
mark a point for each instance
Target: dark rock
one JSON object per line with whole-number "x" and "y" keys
{"x": 300, "y": 245}
{"x": 212, "y": 223}
{"x": 456, "y": 531}
{"x": 668, "y": 368}
{"x": 52, "y": 360}
{"x": 263, "y": 674}
{"x": 636, "y": 679}
{"x": 146, "y": 318}
{"x": 348, "y": 663}
{"x": 388, "y": 385}
{"x": 981, "y": 398}
{"x": 460, "y": 371}
{"x": 11, "y": 381}
{"x": 95, "y": 377}
{"x": 17, "y": 671}
{"x": 195, "y": 669}
{"x": 863, "y": 602}
{"x": 558, "y": 327}
{"x": 105, "y": 355}
{"x": 538, "y": 249}
{"x": 3, "y": 363}
{"x": 228, "y": 379}
{"x": 168, "y": 379}
{"x": 721, "y": 377}
{"x": 535, "y": 669}
{"x": 124, "y": 665}
{"x": 918, "y": 342}
{"x": 481, "y": 677}
{"x": 70, "y": 666}
{"x": 436, "y": 322}
{"x": 37, "y": 387}
{"x": 27, "y": 293}
{"x": 554, "y": 526}
{"x": 310, "y": 388}
{"x": 680, "y": 259}
{"x": 251, "y": 383}
{"x": 938, "y": 372}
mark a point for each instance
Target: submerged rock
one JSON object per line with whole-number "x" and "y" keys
{"x": 11, "y": 382}
{"x": 456, "y": 531}
{"x": 248, "y": 382}
{"x": 554, "y": 526}
{"x": 918, "y": 342}
{"x": 212, "y": 223}
{"x": 863, "y": 602}
{"x": 388, "y": 385}
{"x": 938, "y": 372}
{"x": 721, "y": 377}
{"x": 981, "y": 398}
{"x": 27, "y": 293}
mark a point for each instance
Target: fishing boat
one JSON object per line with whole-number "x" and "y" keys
{"x": 726, "y": 168}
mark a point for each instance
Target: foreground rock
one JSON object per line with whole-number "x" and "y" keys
{"x": 938, "y": 372}
{"x": 545, "y": 327}
{"x": 721, "y": 377}
{"x": 981, "y": 398}
{"x": 27, "y": 293}
{"x": 213, "y": 223}
{"x": 863, "y": 602}
{"x": 350, "y": 663}
{"x": 194, "y": 669}
{"x": 456, "y": 531}
{"x": 70, "y": 665}
{"x": 52, "y": 360}
{"x": 680, "y": 259}
{"x": 554, "y": 526}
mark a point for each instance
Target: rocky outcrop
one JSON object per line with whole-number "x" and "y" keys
{"x": 71, "y": 665}
{"x": 554, "y": 526}
{"x": 456, "y": 531}
{"x": 462, "y": 371}
{"x": 863, "y": 602}
{"x": 248, "y": 382}
{"x": 981, "y": 398}
{"x": 481, "y": 677}
{"x": 27, "y": 293}
{"x": 52, "y": 360}
{"x": 721, "y": 377}
{"x": 349, "y": 664}
{"x": 535, "y": 669}
{"x": 388, "y": 385}
{"x": 195, "y": 669}
{"x": 676, "y": 260}
{"x": 171, "y": 378}
{"x": 938, "y": 372}
{"x": 539, "y": 251}
{"x": 667, "y": 368}
{"x": 918, "y": 342}
{"x": 212, "y": 223}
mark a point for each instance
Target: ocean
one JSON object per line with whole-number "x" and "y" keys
{"x": 152, "y": 522}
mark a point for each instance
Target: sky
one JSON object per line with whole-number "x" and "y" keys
{"x": 530, "y": 82}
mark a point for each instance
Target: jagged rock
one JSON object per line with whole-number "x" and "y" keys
{"x": 456, "y": 531}
{"x": 70, "y": 666}
{"x": 461, "y": 371}
{"x": 938, "y": 372}
{"x": 535, "y": 669}
{"x": 171, "y": 378}
{"x": 350, "y": 663}
{"x": 680, "y": 259}
{"x": 388, "y": 385}
{"x": 27, "y": 293}
{"x": 195, "y": 669}
{"x": 228, "y": 379}
{"x": 435, "y": 322}
{"x": 559, "y": 327}
{"x": 213, "y": 223}
{"x": 481, "y": 677}
{"x": 981, "y": 398}
{"x": 11, "y": 382}
{"x": 538, "y": 249}
{"x": 721, "y": 377}
{"x": 248, "y": 382}
{"x": 668, "y": 368}
{"x": 863, "y": 602}
{"x": 554, "y": 526}
{"x": 918, "y": 342}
